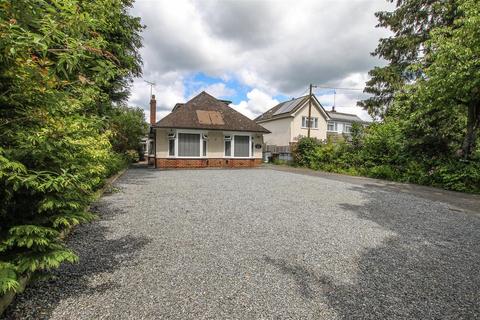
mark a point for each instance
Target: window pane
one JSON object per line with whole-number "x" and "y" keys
{"x": 315, "y": 123}
{"x": 330, "y": 126}
{"x": 204, "y": 148}
{"x": 171, "y": 147}
{"x": 304, "y": 122}
{"x": 188, "y": 145}
{"x": 241, "y": 146}
{"x": 228, "y": 148}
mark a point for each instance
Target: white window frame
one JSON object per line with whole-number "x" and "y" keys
{"x": 334, "y": 126}
{"x": 312, "y": 119}
{"x": 304, "y": 122}
{"x": 345, "y": 126}
{"x": 204, "y": 142}
{"x": 174, "y": 147}
{"x": 177, "y": 133}
{"x": 225, "y": 149}
{"x": 232, "y": 145}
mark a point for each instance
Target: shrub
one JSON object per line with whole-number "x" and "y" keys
{"x": 303, "y": 151}
{"x": 132, "y": 156}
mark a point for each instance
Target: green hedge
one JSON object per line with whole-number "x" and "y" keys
{"x": 65, "y": 67}
{"x": 382, "y": 151}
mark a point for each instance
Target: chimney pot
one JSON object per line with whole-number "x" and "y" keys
{"x": 153, "y": 110}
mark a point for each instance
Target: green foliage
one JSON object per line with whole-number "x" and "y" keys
{"x": 130, "y": 127}
{"x": 356, "y": 135}
{"x": 279, "y": 162}
{"x": 132, "y": 156}
{"x": 428, "y": 96}
{"x": 304, "y": 151}
{"x": 65, "y": 66}
{"x": 409, "y": 25}
{"x": 452, "y": 80}
{"x": 8, "y": 277}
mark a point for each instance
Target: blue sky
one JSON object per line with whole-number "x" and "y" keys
{"x": 236, "y": 91}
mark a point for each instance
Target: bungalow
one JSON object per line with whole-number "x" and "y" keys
{"x": 206, "y": 132}
{"x": 288, "y": 121}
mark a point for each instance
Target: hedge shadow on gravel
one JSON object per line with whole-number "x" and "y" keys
{"x": 429, "y": 269}
{"x": 98, "y": 254}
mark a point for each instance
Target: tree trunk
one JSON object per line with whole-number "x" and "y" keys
{"x": 473, "y": 124}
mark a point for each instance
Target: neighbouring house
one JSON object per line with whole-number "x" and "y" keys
{"x": 288, "y": 121}
{"x": 341, "y": 123}
{"x": 206, "y": 132}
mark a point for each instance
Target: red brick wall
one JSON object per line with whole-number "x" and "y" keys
{"x": 204, "y": 163}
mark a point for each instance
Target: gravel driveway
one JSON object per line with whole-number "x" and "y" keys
{"x": 263, "y": 244}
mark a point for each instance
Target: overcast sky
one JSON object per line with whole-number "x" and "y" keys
{"x": 256, "y": 53}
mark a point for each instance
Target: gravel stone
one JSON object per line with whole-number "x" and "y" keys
{"x": 262, "y": 244}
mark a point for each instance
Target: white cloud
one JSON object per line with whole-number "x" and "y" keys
{"x": 168, "y": 90}
{"x": 257, "y": 103}
{"x": 276, "y": 47}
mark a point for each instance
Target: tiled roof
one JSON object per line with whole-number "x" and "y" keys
{"x": 205, "y": 112}
{"x": 347, "y": 117}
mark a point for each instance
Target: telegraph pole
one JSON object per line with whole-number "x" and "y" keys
{"x": 309, "y": 122}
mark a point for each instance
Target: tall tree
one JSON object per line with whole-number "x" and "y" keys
{"x": 451, "y": 82}
{"x": 410, "y": 23}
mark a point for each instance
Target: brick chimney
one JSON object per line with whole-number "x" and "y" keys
{"x": 153, "y": 110}
{"x": 333, "y": 109}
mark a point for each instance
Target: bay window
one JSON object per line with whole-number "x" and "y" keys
{"x": 241, "y": 146}
{"x": 189, "y": 145}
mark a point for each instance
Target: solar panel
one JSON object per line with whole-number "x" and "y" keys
{"x": 288, "y": 106}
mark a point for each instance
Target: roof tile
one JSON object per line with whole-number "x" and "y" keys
{"x": 205, "y": 112}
